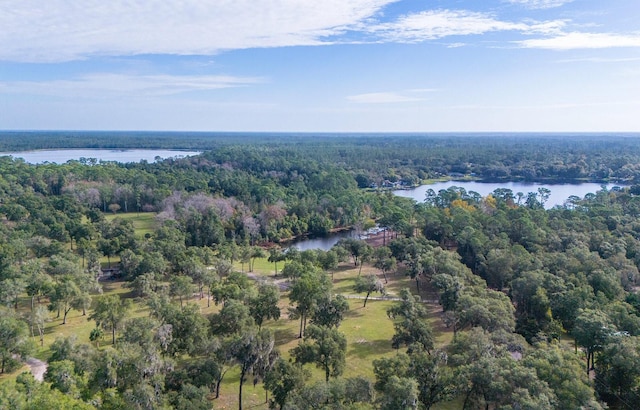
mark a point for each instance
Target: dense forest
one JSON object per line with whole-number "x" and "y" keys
{"x": 473, "y": 302}
{"x": 408, "y": 157}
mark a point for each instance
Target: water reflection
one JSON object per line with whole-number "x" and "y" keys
{"x": 324, "y": 244}
{"x": 559, "y": 192}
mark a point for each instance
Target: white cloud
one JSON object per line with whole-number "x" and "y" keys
{"x": 540, "y": 4}
{"x": 120, "y": 85}
{"x": 382, "y": 98}
{"x": 62, "y": 30}
{"x": 575, "y": 40}
{"x": 545, "y": 27}
{"x": 435, "y": 24}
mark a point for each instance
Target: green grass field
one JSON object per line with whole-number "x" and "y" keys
{"x": 143, "y": 222}
{"x": 367, "y": 329}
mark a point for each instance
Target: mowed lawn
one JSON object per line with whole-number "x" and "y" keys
{"x": 143, "y": 222}
{"x": 367, "y": 329}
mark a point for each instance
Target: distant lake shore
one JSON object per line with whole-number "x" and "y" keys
{"x": 559, "y": 192}
{"x": 61, "y": 156}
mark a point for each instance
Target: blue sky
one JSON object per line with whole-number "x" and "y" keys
{"x": 321, "y": 65}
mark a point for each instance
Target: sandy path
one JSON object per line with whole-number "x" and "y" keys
{"x": 37, "y": 367}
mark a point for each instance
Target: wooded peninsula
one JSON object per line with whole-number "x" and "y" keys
{"x": 172, "y": 284}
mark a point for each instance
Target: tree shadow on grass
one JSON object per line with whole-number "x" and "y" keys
{"x": 345, "y": 267}
{"x": 343, "y": 285}
{"x": 49, "y": 329}
{"x": 354, "y": 312}
{"x": 397, "y": 283}
{"x": 284, "y": 336}
{"x": 365, "y": 348}
{"x": 118, "y": 286}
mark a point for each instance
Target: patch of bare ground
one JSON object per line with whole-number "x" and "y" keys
{"x": 37, "y": 368}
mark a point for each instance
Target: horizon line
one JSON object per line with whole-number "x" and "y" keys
{"x": 313, "y": 132}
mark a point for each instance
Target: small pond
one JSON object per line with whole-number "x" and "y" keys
{"x": 324, "y": 243}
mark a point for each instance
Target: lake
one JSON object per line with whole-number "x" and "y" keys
{"x": 558, "y": 196}
{"x": 60, "y": 156}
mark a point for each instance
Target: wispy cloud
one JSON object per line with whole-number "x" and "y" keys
{"x": 540, "y": 4}
{"x": 119, "y": 85}
{"x": 69, "y": 31}
{"x": 387, "y": 97}
{"x": 62, "y": 30}
{"x": 545, "y": 27}
{"x": 567, "y": 105}
{"x": 576, "y": 40}
{"x": 437, "y": 24}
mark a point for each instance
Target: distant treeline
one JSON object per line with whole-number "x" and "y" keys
{"x": 373, "y": 159}
{"x": 515, "y": 281}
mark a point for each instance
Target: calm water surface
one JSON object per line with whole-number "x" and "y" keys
{"x": 558, "y": 196}
{"x": 60, "y": 156}
{"x": 325, "y": 243}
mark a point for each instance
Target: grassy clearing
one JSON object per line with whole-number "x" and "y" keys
{"x": 80, "y": 326}
{"x": 143, "y": 222}
{"x": 367, "y": 329}
{"x": 261, "y": 266}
